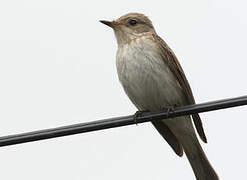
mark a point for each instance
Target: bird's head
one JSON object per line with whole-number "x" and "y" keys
{"x": 130, "y": 26}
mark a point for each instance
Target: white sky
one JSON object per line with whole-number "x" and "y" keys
{"x": 57, "y": 67}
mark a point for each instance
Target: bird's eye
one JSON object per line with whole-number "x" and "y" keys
{"x": 132, "y": 22}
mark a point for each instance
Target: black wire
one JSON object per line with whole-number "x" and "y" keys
{"x": 120, "y": 121}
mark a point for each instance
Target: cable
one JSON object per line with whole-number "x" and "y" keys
{"x": 121, "y": 121}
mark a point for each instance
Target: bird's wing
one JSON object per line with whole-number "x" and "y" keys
{"x": 171, "y": 60}
{"x": 168, "y": 135}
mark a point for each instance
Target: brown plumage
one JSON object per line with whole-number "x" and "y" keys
{"x": 177, "y": 70}
{"x": 153, "y": 79}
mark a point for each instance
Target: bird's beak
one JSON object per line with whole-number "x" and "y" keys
{"x": 108, "y": 23}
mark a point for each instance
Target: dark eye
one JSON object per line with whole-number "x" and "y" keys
{"x": 132, "y": 22}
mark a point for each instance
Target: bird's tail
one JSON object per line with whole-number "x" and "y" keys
{"x": 197, "y": 158}
{"x": 193, "y": 150}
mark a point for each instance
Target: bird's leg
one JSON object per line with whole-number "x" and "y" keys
{"x": 138, "y": 114}
{"x": 169, "y": 109}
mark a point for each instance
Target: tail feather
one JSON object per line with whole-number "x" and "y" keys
{"x": 183, "y": 129}
{"x": 197, "y": 158}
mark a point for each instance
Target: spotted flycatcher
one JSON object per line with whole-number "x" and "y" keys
{"x": 153, "y": 80}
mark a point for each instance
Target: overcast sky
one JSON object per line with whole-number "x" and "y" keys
{"x": 57, "y": 67}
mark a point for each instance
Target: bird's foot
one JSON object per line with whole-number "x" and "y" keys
{"x": 139, "y": 114}
{"x": 169, "y": 109}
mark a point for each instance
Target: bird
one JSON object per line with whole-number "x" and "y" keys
{"x": 154, "y": 80}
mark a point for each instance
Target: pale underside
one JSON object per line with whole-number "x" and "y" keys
{"x": 146, "y": 79}
{"x": 151, "y": 86}
{"x": 154, "y": 80}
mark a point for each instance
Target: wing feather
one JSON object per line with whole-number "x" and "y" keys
{"x": 167, "y": 134}
{"x": 171, "y": 60}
